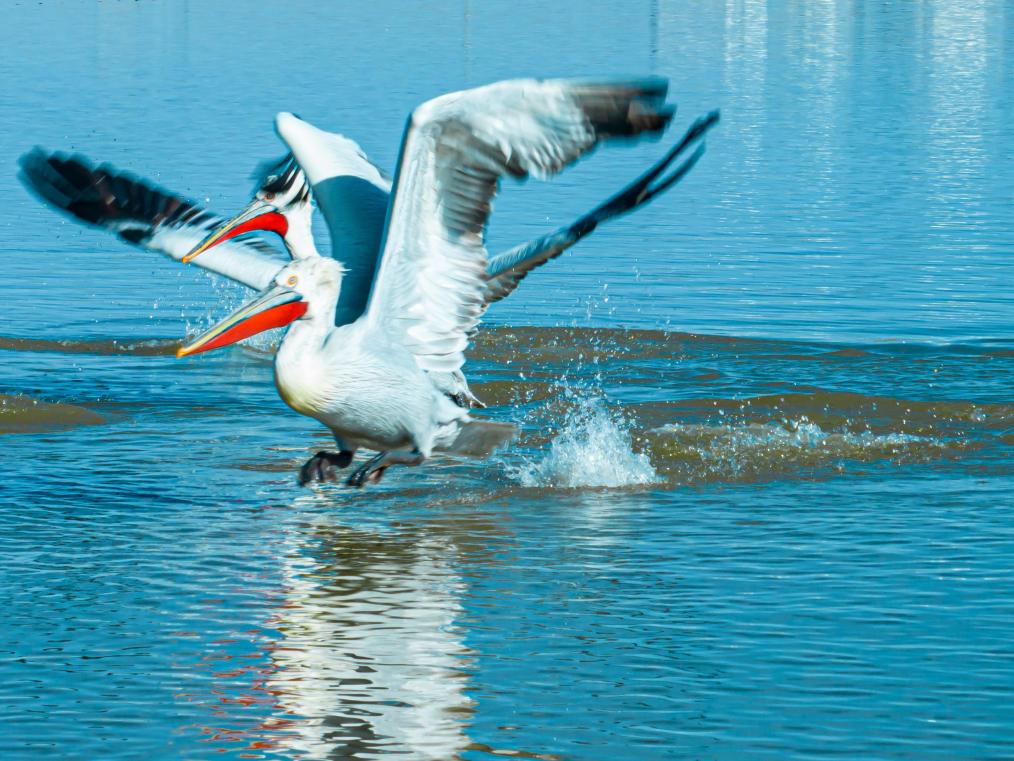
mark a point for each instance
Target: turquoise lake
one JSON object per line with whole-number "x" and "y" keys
{"x": 761, "y": 504}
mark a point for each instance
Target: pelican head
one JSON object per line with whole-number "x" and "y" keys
{"x": 306, "y": 289}
{"x": 282, "y": 204}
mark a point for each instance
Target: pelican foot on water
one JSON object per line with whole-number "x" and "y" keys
{"x": 322, "y": 466}
{"x": 373, "y": 469}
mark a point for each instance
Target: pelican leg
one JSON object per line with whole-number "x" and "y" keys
{"x": 322, "y": 466}
{"x": 373, "y": 469}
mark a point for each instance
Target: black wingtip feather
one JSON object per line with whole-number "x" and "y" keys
{"x": 628, "y": 108}
{"x": 104, "y": 196}
{"x": 279, "y": 176}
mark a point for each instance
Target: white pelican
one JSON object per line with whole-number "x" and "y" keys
{"x": 348, "y": 187}
{"x": 352, "y": 194}
{"x": 143, "y": 214}
{"x": 369, "y": 381}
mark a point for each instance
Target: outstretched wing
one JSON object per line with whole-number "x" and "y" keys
{"x": 506, "y": 270}
{"x": 352, "y": 195}
{"x": 430, "y": 290}
{"x": 143, "y": 214}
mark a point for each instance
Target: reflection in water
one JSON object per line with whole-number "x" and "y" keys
{"x": 956, "y": 129}
{"x": 745, "y": 72}
{"x": 370, "y": 660}
{"x": 364, "y": 658}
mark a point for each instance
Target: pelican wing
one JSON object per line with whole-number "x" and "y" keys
{"x": 509, "y": 268}
{"x": 144, "y": 215}
{"x": 352, "y": 194}
{"x": 430, "y": 290}
{"x": 506, "y": 270}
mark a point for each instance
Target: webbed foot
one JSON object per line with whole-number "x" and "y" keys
{"x": 362, "y": 477}
{"x": 373, "y": 469}
{"x": 323, "y": 466}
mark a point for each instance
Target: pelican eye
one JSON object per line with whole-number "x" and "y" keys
{"x": 269, "y": 196}
{"x": 291, "y": 280}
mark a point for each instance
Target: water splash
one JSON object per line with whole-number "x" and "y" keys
{"x": 593, "y": 449}
{"x": 756, "y": 450}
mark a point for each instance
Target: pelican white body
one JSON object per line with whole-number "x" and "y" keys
{"x": 368, "y": 390}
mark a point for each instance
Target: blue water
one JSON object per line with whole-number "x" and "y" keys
{"x": 760, "y": 507}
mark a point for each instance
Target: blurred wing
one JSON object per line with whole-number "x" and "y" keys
{"x": 431, "y": 288}
{"x": 352, "y": 195}
{"x": 143, "y": 214}
{"x": 508, "y": 269}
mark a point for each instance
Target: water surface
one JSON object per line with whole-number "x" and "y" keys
{"x": 760, "y": 506}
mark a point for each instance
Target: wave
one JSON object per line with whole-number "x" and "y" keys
{"x": 679, "y": 410}
{"x": 24, "y": 414}
{"x": 102, "y": 347}
{"x": 531, "y": 344}
{"x": 690, "y": 453}
{"x": 813, "y": 434}
{"x": 696, "y": 441}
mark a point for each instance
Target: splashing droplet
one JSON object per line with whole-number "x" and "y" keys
{"x": 594, "y": 449}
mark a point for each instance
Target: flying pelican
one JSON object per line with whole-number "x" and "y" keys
{"x": 369, "y": 381}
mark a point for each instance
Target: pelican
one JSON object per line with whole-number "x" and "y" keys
{"x": 349, "y": 189}
{"x": 352, "y": 194}
{"x": 374, "y": 381}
